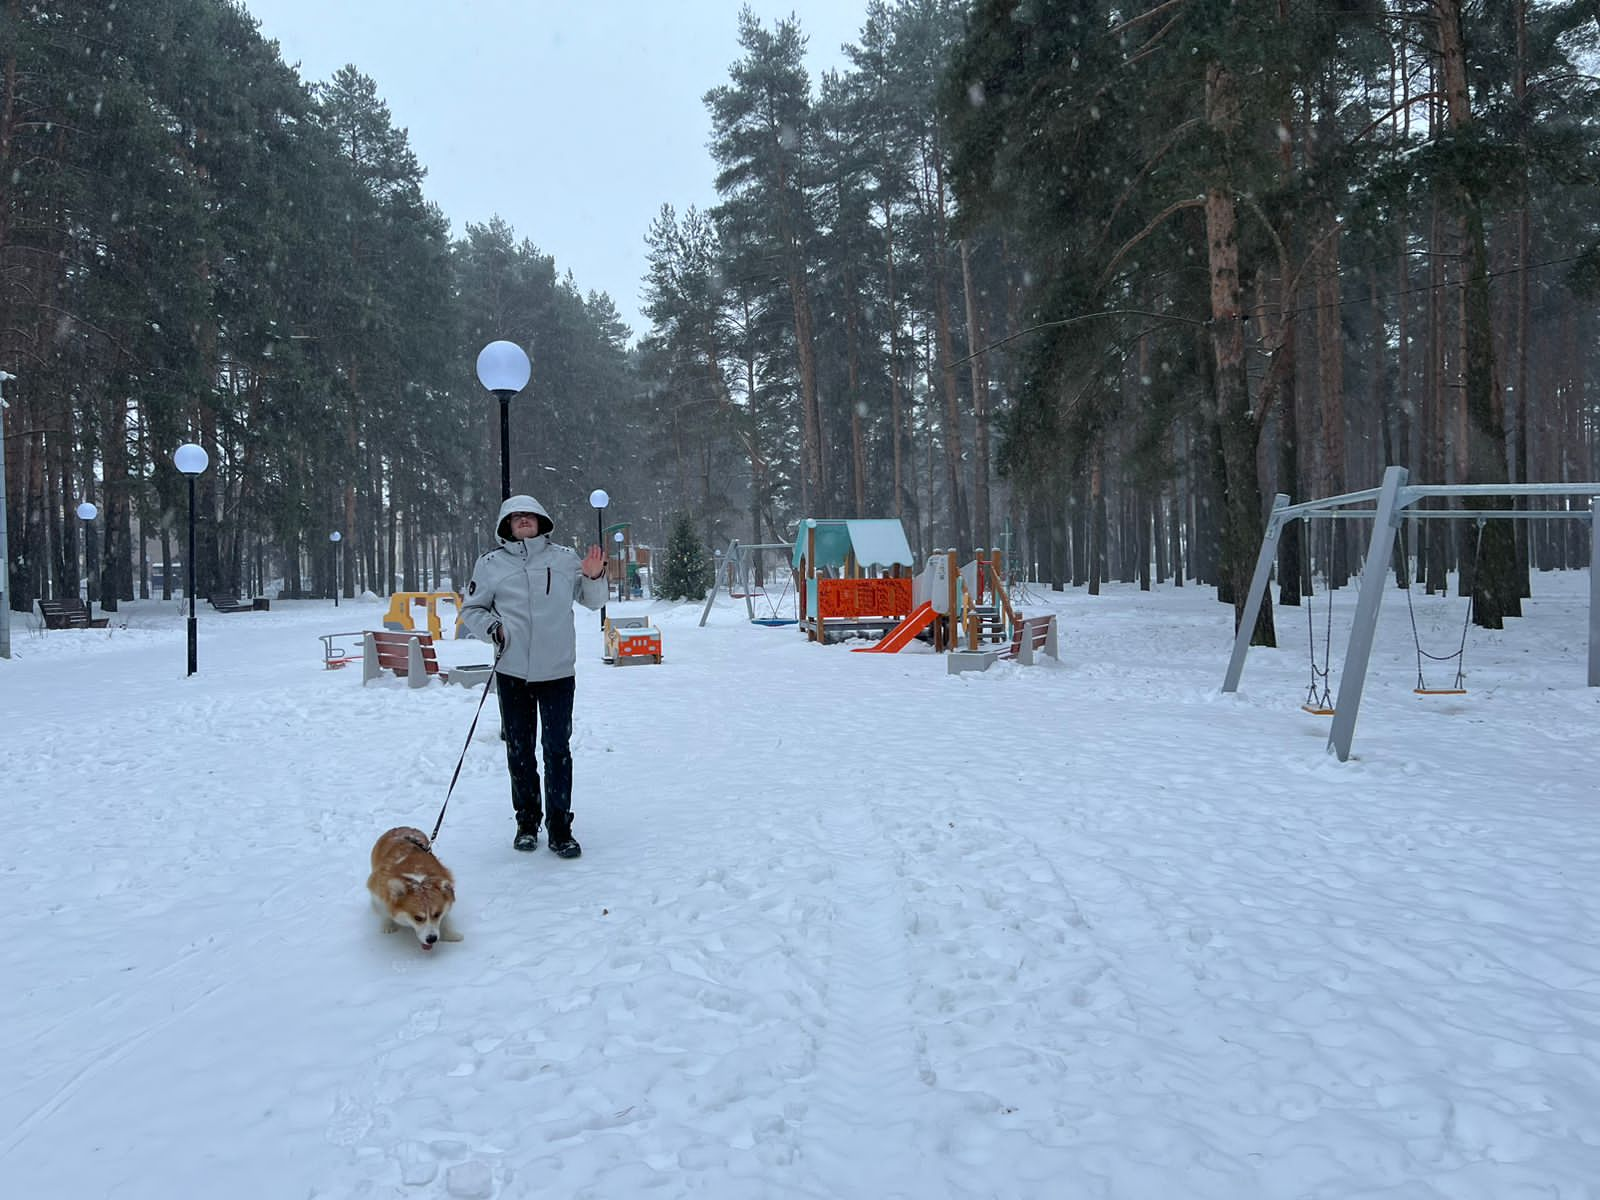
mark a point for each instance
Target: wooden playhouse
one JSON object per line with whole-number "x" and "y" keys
{"x": 854, "y": 575}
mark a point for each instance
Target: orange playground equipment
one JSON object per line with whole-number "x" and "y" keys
{"x": 401, "y": 603}
{"x": 631, "y": 640}
{"x": 854, "y": 577}
{"x": 967, "y": 611}
{"x": 953, "y": 604}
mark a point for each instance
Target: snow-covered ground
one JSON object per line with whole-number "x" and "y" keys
{"x": 845, "y": 926}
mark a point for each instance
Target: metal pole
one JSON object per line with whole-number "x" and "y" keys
{"x": 194, "y": 641}
{"x": 505, "y": 442}
{"x": 5, "y": 551}
{"x": 92, "y": 575}
{"x": 1374, "y": 577}
{"x": 600, "y": 540}
{"x": 1594, "y": 590}
{"x": 1258, "y": 589}
{"x": 338, "y": 561}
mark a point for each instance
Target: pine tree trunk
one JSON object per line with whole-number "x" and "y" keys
{"x": 1522, "y": 396}
{"x": 1056, "y": 564}
{"x": 166, "y": 560}
{"x": 1175, "y": 539}
{"x": 1330, "y": 389}
{"x": 815, "y": 492}
{"x": 1495, "y": 594}
{"x": 1149, "y": 532}
{"x": 978, "y": 368}
{"x": 208, "y": 503}
{"x": 114, "y": 456}
{"x": 960, "y": 518}
{"x": 896, "y": 367}
{"x": 1095, "y": 522}
{"x": 8, "y": 129}
{"x": 858, "y": 442}
{"x": 1435, "y": 373}
{"x": 1243, "y": 524}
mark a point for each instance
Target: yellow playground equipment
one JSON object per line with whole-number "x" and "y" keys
{"x": 401, "y": 604}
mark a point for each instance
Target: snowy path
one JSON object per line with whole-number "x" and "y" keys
{"x": 844, "y": 926}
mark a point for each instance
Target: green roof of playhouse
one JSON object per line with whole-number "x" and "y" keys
{"x": 875, "y": 543}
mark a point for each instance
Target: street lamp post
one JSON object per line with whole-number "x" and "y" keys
{"x": 191, "y": 460}
{"x": 87, "y": 512}
{"x": 599, "y": 499}
{"x": 337, "y": 539}
{"x": 622, "y": 568}
{"x": 504, "y": 369}
{"x": 5, "y": 553}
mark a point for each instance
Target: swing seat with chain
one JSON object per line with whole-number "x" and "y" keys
{"x": 1318, "y": 701}
{"x": 775, "y": 616}
{"x": 1459, "y": 655}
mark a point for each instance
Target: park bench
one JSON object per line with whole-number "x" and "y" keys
{"x": 68, "y": 613}
{"x": 1031, "y": 636}
{"x": 228, "y": 602}
{"x": 410, "y": 656}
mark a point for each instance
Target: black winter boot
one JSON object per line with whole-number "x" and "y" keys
{"x": 562, "y": 843}
{"x": 527, "y": 836}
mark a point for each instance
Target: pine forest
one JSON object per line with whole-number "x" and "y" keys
{"x": 1085, "y": 282}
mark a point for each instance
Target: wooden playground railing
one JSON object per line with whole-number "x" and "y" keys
{"x": 989, "y": 574}
{"x": 997, "y": 582}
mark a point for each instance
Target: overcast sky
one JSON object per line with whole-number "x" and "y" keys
{"x": 573, "y": 121}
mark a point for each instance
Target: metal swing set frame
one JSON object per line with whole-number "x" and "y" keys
{"x": 737, "y": 567}
{"x": 1386, "y": 506}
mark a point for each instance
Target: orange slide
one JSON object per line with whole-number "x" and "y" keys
{"x": 900, "y": 636}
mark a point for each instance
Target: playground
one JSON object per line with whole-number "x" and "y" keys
{"x": 845, "y": 925}
{"x": 854, "y": 579}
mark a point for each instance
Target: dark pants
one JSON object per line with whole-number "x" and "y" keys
{"x": 524, "y": 708}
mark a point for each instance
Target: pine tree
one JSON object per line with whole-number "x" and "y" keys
{"x": 684, "y": 574}
{"x": 763, "y": 128}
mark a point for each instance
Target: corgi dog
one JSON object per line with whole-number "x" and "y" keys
{"x": 411, "y": 888}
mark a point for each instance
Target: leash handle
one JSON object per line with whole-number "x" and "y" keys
{"x": 434, "y": 836}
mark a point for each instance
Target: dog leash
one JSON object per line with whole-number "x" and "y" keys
{"x": 434, "y": 836}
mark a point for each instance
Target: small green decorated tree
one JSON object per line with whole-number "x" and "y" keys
{"x": 684, "y": 573}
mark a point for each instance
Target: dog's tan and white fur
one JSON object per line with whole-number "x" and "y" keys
{"x": 411, "y": 888}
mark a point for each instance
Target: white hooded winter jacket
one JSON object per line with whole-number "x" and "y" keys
{"x": 527, "y": 589}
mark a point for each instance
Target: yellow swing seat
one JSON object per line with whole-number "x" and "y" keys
{"x": 1316, "y": 711}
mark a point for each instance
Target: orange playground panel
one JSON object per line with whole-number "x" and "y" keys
{"x": 850, "y": 598}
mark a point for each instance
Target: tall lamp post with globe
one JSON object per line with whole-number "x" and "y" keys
{"x": 504, "y": 369}
{"x": 622, "y": 568}
{"x": 87, "y": 512}
{"x": 337, "y": 539}
{"x": 598, "y": 499}
{"x": 191, "y": 460}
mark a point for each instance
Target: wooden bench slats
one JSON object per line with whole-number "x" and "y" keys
{"x": 69, "y": 612}
{"x": 410, "y": 656}
{"x": 1031, "y": 636}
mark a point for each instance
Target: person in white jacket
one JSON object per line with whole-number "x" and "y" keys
{"x": 520, "y": 599}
